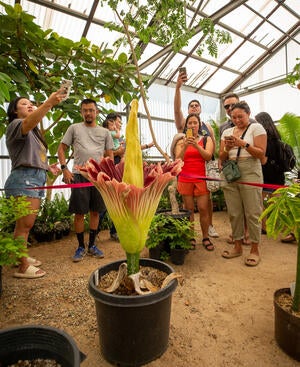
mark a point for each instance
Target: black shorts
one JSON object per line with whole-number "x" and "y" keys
{"x": 85, "y": 199}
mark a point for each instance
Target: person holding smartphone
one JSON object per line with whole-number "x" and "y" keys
{"x": 194, "y": 106}
{"x": 27, "y": 150}
{"x": 195, "y": 149}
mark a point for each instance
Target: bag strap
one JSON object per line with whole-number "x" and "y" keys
{"x": 242, "y": 137}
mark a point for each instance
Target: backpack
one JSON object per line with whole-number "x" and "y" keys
{"x": 287, "y": 158}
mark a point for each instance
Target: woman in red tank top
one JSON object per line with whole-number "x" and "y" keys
{"x": 191, "y": 150}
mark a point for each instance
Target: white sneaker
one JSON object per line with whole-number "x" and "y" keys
{"x": 212, "y": 232}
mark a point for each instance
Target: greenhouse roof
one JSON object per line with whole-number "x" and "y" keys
{"x": 260, "y": 30}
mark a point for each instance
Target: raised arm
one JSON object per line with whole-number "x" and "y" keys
{"x": 178, "y": 115}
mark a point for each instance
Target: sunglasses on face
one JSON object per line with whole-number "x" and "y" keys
{"x": 193, "y": 105}
{"x": 227, "y": 106}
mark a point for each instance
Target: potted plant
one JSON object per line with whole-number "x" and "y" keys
{"x": 283, "y": 217}
{"x": 11, "y": 249}
{"x": 170, "y": 235}
{"x": 132, "y": 330}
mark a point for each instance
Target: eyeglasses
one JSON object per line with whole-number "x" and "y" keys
{"x": 194, "y": 105}
{"x": 227, "y": 106}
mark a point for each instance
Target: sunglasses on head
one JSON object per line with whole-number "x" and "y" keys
{"x": 227, "y": 106}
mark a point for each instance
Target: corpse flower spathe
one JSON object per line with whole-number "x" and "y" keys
{"x": 132, "y": 204}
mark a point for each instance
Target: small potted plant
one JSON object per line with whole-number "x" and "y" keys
{"x": 170, "y": 235}
{"x": 11, "y": 249}
{"x": 283, "y": 217}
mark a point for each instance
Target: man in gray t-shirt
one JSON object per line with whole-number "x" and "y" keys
{"x": 88, "y": 140}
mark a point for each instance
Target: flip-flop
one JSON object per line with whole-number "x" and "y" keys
{"x": 252, "y": 260}
{"x": 229, "y": 253}
{"x": 30, "y": 273}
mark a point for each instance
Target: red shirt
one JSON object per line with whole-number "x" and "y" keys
{"x": 194, "y": 165}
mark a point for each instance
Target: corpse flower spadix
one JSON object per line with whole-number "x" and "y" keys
{"x": 131, "y": 191}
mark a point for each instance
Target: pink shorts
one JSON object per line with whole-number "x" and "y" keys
{"x": 192, "y": 188}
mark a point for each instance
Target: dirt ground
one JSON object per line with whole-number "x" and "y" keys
{"x": 222, "y": 315}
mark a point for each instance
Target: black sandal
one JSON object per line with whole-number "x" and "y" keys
{"x": 193, "y": 244}
{"x": 208, "y": 246}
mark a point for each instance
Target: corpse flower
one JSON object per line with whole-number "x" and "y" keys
{"x": 131, "y": 191}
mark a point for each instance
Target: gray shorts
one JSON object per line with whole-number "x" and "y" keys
{"x": 85, "y": 199}
{"x": 22, "y": 179}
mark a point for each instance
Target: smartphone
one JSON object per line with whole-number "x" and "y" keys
{"x": 182, "y": 70}
{"x": 189, "y": 133}
{"x": 66, "y": 85}
{"x": 228, "y": 137}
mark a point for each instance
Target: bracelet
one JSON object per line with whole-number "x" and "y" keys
{"x": 247, "y": 146}
{"x": 63, "y": 166}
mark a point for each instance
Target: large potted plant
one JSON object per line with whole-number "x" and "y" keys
{"x": 133, "y": 330}
{"x": 283, "y": 217}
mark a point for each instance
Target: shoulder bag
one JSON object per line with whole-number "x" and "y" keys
{"x": 231, "y": 169}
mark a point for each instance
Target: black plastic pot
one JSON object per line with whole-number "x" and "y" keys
{"x": 32, "y": 342}
{"x": 287, "y": 328}
{"x": 133, "y": 330}
{"x": 178, "y": 256}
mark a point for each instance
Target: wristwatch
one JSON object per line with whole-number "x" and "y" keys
{"x": 63, "y": 166}
{"x": 247, "y": 146}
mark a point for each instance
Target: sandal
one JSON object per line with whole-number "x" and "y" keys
{"x": 252, "y": 260}
{"x": 289, "y": 238}
{"x": 193, "y": 244}
{"x": 209, "y": 246}
{"x": 230, "y": 253}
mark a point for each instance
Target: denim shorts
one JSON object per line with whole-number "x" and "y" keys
{"x": 23, "y": 178}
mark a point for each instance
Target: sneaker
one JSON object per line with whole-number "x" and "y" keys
{"x": 79, "y": 254}
{"x": 212, "y": 232}
{"x": 94, "y": 251}
{"x": 114, "y": 237}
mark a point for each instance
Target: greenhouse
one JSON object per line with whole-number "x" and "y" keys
{"x": 150, "y": 167}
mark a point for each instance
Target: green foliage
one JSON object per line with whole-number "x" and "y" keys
{"x": 51, "y": 213}
{"x": 164, "y": 22}
{"x": 289, "y": 128}
{"x": 213, "y": 37}
{"x": 294, "y": 77}
{"x": 216, "y": 130}
{"x": 11, "y": 209}
{"x": 283, "y": 217}
{"x": 177, "y": 232}
{"x": 33, "y": 62}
